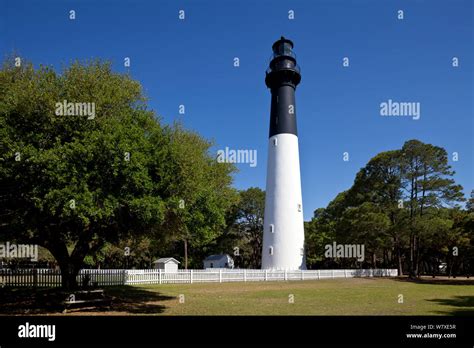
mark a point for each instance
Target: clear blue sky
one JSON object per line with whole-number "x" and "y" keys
{"x": 190, "y": 62}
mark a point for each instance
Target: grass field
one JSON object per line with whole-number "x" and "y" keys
{"x": 360, "y": 296}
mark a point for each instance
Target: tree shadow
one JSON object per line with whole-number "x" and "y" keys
{"x": 125, "y": 300}
{"x": 464, "y": 303}
{"x": 136, "y": 300}
{"x": 436, "y": 281}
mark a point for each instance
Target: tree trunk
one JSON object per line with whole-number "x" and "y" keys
{"x": 185, "y": 253}
{"x": 399, "y": 261}
{"x": 411, "y": 263}
{"x": 70, "y": 265}
{"x": 66, "y": 265}
{"x": 399, "y": 256}
{"x": 417, "y": 257}
{"x": 411, "y": 268}
{"x": 69, "y": 273}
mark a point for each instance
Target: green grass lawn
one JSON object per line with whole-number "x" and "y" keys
{"x": 361, "y": 296}
{"x": 356, "y": 296}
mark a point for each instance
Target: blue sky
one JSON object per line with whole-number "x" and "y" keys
{"x": 190, "y": 62}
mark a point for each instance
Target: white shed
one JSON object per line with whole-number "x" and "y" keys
{"x": 219, "y": 261}
{"x": 167, "y": 264}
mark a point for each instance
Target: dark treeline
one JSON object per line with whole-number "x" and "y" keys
{"x": 404, "y": 208}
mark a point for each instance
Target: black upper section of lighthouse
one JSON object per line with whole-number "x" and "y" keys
{"x": 282, "y": 77}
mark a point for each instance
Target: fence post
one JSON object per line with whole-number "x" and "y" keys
{"x": 124, "y": 277}
{"x": 332, "y": 273}
{"x": 159, "y": 275}
{"x": 302, "y": 275}
{"x": 345, "y": 273}
{"x": 35, "y": 278}
{"x": 265, "y": 275}
{"x": 245, "y": 275}
{"x": 319, "y": 274}
{"x": 220, "y": 276}
{"x": 191, "y": 276}
{"x": 286, "y": 275}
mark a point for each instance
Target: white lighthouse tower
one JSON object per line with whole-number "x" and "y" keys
{"x": 283, "y": 236}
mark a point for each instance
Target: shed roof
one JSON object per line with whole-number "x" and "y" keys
{"x": 166, "y": 260}
{"x": 216, "y": 257}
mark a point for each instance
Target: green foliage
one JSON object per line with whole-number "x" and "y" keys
{"x": 73, "y": 184}
{"x": 470, "y": 202}
{"x": 319, "y": 232}
{"x": 243, "y": 237}
{"x": 403, "y": 206}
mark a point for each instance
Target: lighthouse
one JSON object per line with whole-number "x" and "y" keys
{"x": 283, "y": 235}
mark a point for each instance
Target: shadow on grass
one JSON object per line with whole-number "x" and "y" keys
{"x": 436, "y": 281}
{"x": 464, "y": 304}
{"x": 135, "y": 300}
{"x": 126, "y": 300}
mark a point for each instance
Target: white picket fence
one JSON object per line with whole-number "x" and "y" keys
{"x": 105, "y": 277}
{"x": 153, "y": 276}
{"x": 43, "y": 277}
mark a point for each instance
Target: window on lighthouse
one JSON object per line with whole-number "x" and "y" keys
{"x": 275, "y": 141}
{"x": 272, "y": 228}
{"x": 299, "y": 207}
{"x": 270, "y": 250}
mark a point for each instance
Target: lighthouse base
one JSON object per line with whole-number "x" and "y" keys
{"x": 283, "y": 236}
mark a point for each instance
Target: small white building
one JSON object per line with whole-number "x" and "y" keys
{"x": 219, "y": 261}
{"x": 167, "y": 264}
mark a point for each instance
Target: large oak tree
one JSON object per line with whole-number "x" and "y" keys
{"x": 74, "y": 183}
